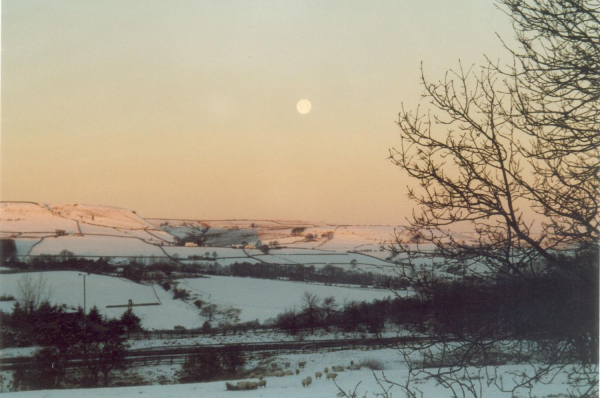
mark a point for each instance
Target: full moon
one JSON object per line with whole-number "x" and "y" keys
{"x": 303, "y": 106}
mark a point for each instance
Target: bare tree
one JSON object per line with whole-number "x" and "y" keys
{"x": 209, "y": 311}
{"x": 502, "y": 147}
{"x": 554, "y": 88}
{"x": 311, "y": 309}
{"x": 33, "y": 290}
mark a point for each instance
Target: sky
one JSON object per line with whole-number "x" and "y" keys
{"x": 187, "y": 109}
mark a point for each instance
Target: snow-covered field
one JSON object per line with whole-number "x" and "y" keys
{"x": 110, "y": 246}
{"x": 95, "y": 231}
{"x": 256, "y": 298}
{"x": 263, "y": 299}
{"x": 66, "y": 287}
{"x": 290, "y": 386}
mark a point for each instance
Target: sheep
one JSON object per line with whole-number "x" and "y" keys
{"x": 262, "y": 383}
{"x": 279, "y": 373}
{"x": 297, "y": 371}
{"x": 306, "y": 382}
{"x": 326, "y": 370}
{"x": 243, "y": 385}
{"x": 231, "y": 387}
{"x": 287, "y": 364}
{"x": 260, "y": 377}
{"x": 318, "y": 375}
{"x": 301, "y": 364}
{"x": 330, "y": 376}
{"x": 337, "y": 368}
{"x": 289, "y": 373}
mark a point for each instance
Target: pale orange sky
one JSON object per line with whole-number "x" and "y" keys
{"x": 187, "y": 109}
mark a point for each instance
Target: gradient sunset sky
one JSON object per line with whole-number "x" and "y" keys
{"x": 187, "y": 109}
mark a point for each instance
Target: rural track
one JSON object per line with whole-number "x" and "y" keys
{"x": 179, "y": 354}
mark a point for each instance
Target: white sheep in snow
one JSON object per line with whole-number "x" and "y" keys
{"x": 306, "y": 382}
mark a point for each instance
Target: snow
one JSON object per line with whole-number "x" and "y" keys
{"x": 263, "y": 299}
{"x": 233, "y": 260}
{"x": 66, "y": 287}
{"x": 22, "y": 220}
{"x": 256, "y": 298}
{"x": 15, "y": 352}
{"x": 32, "y": 217}
{"x": 222, "y": 252}
{"x": 120, "y": 233}
{"x": 325, "y": 258}
{"x": 97, "y": 246}
{"x": 104, "y": 216}
{"x": 290, "y": 386}
{"x": 24, "y": 245}
{"x": 259, "y": 336}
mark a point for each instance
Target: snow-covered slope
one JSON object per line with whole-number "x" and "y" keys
{"x": 102, "y": 231}
{"x": 28, "y": 219}
{"x": 82, "y": 229}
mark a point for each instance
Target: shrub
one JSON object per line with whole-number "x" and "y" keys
{"x": 180, "y": 294}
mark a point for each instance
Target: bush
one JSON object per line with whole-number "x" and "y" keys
{"x": 7, "y": 297}
{"x": 131, "y": 322}
{"x": 212, "y": 365}
{"x": 8, "y": 249}
{"x": 180, "y": 294}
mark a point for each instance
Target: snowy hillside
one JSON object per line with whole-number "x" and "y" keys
{"x": 290, "y": 234}
{"x": 82, "y": 229}
{"x": 120, "y": 235}
{"x": 27, "y": 219}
